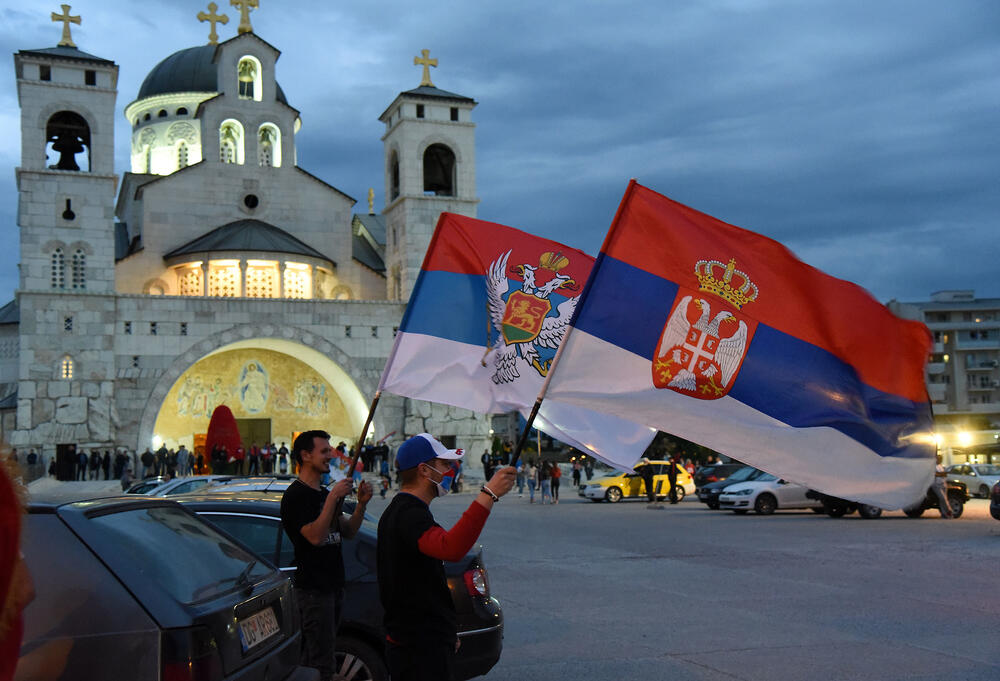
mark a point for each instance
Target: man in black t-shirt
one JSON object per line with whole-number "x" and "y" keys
{"x": 308, "y": 516}
{"x": 420, "y": 623}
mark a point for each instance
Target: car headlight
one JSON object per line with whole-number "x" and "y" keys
{"x": 742, "y": 492}
{"x": 593, "y": 486}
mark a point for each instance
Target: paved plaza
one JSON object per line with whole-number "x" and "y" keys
{"x": 600, "y": 591}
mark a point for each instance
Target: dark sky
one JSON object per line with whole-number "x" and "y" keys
{"x": 863, "y": 135}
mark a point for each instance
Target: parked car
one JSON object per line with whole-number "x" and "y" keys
{"x": 765, "y": 495}
{"x": 255, "y": 519}
{"x": 158, "y": 487}
{"x": 957, "y": 493}
{"x": 709, "y": 493}
{"x": 979, "y": 478}
{"x": 142, "y": 588}
{"x": 995, "y": 501}
{"x": 617, "y": 486}
{"x": 714, "y": 473}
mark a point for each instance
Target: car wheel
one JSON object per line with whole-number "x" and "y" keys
{"x": 358, "y": 661}
{"x": 914, "y": 512}
{"x": 984, "y": 491}
{"x": 869, "y": 512}
{"x": 613, "y": 495}
{"x": 680, "y": 493}
{"x": 957, "y": 505}
{"x": 835, "y": 510}
{"x": 765, "y": 504}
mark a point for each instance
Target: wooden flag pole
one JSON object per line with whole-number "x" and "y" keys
{"x": 357, "y": 453}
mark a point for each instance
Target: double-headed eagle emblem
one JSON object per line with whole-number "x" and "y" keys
{"x": 521, "y": 319}
{"x": 700, "y": 357}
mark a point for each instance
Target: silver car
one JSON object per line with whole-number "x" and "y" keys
{"x": 979, "y": 478}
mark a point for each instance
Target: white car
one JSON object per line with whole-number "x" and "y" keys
{"x": 979, "y": 478}
{"x": 765, "y": 495}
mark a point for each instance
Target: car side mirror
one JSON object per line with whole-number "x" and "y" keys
{"x": 782, "y": 482}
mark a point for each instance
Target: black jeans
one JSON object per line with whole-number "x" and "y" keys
{"x": 420, "y": 662}
{"x": 319, "y": 613}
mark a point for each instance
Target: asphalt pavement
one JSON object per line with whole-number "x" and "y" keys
{"x": 600, "y": 591}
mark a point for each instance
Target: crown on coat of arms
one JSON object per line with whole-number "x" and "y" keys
{"x": 739, "y": 296}
{"x": 553, "y": 261}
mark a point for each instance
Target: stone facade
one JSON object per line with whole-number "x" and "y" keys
{"x": 100, "y": 342}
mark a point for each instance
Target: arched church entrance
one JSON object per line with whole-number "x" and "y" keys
{"x": 275, "y": 388}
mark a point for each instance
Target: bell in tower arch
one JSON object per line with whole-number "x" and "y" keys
{"x": 69, "y": 135}
{"x": 439, "y": 171}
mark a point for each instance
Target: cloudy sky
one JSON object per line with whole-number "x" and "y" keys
{"x": 862, "y": 134}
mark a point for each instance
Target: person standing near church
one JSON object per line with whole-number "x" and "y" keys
{"x": 312, "y": 522}
{"x": 419, "y": 619}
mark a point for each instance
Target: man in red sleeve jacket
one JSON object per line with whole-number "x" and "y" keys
{"x": 421, "y": 633}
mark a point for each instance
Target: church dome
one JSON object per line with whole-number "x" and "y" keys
{"x": 190, "y": 70}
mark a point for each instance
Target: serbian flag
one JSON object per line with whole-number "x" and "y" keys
{"x": 721, "y": 336}
{"x": 487, "y": 313}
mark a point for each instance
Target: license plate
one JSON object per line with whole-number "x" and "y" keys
{"x": 257, "y": 628}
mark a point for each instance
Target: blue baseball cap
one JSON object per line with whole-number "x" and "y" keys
{"x": 421, "y": 449}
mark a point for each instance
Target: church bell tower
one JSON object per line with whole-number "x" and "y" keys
{"x": 66, "y": 180}
{"x": 430, "y": 167}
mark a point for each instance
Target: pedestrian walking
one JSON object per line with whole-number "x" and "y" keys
{"x": 531, "y": 476}
{"x": 576, "y": 472}
{"x": 545, "y": 477}
{"x": 940, "y": 488}
{"x": 313, "y": 523}
{"x": 556, "y": 477}
{"x": 672, "y": 465}
{"x": 645, "y": 470}
{"x": 419, "y": 619}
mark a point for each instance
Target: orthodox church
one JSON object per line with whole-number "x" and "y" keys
{"x": 215, "y": 270}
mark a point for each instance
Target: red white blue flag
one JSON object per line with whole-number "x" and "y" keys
{"x": 487, "y": 313}
{"x": 723, "y": 337}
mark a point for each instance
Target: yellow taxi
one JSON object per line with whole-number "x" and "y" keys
{"x": 617, "y": 486}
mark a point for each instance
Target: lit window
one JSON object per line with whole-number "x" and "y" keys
{"x": 262, "y": 279}
{"x": 66, "y": 368}
{"x": 190, "y": 281}
{"x": 231, "y": 142}
{"x": 269, "y": 146}
{"x": 224, "y": 278}
{"x": 298, "y": 282}
{"x": 249, "y": 78}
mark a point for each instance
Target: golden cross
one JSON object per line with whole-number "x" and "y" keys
{"x": 426, "y": 62}
{"x": 213, "y": 19}
{"x": 67, "y": 39}
{"x": 245, "y": 7}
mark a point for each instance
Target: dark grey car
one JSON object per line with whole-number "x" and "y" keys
{"x": 140, "y": 588}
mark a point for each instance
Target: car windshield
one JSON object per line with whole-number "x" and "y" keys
{"x": 987, "y": 469}
{"x": 747, "y": 473}
{"x": 202, "y": 562}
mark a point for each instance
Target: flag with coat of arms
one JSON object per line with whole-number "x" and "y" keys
{"x": 721, "y": 336}
{"x": 486, "y": 316}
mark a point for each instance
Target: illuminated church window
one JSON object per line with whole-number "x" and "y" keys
{"x": 231, "y": 142}
{"x": 79, "y": 270}
{"x": 298, "y": 282}
{"x": 262, "y": 279}
{"x": 248, "y": 76}
{"x": 224, "y": 279}
{"x": 58, "y": 269}
{"x": 269, "y": 146}
{"x": 66, "y": 368}
{"x": 190, "y": 281}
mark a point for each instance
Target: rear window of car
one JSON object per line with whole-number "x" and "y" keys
{"x": 187, "y": 558}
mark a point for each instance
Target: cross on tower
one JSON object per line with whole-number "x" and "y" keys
{"x": 245, "y": 7}
{"x": 67, "y": 39}
{"x": 213, "y": 19}
{"x": 426, "y": 62}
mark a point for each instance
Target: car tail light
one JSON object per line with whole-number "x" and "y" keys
{"x": 711, "y": 478}
{"x": 189, "y": 655}
{"x": 476, "y": 582}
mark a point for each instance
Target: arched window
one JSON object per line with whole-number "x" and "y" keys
{"x": 249, "y": 78}
{"x": 79, "y": 269}
{"x": 66, "y": 368}
{"x": 231, "y": 142}
{"x": 58, "y": 269}
{"x": 269, "y": 146}
{"x": 393, "y": 176}
{"x": 182, "y": 155}
{"x": 68, "y": 134}
{"x": 182, "y": 111}
{"x": 439, "y": 171}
